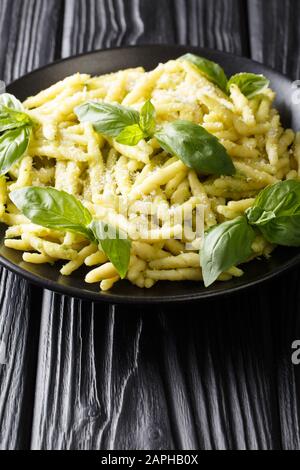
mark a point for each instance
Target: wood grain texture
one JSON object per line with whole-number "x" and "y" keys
{"x": 275, "y": 34}
{"x": 215, "y": 375}
{"x": 94, "y": 24}
{"x": 27, "y": 35}
{"x": 215, "y": 386}
{"x": 28, "y": 30}
{"x": 19, "y": 327}
{"x": 90, "y": 380}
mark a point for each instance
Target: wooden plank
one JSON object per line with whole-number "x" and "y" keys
{"x": 215, "y": 24}
{"x": 19, "y": 333}
{"x": 27, "y": 39}
{"x": 222, "y": 354}
{"x": 129, "y": 377}
{"x": 114, "y": 378}
{"x": 27, "y": 35}
{"x": 285, "y": 330}
{"x": 88, "y": 381}
{"x": 95, "y": 24}
{"x": 274, "y": 33}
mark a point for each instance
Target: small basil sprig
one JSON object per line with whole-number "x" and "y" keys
{"x": 276, "y": 213}
{"x": 196, "y": 147}
{"x": 126, "y": 125}
{"x": 143, "y": 130}
{"x": 59, "y": 210}
{"x": 15, "y": 126}
{"x": 250, "y": 84}
{"x": 225, "y": 245}
{"x": 131, "y": 135}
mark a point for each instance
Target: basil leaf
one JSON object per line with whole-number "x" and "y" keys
{"x": 13, "y": 145}
{"x": 212, "y": 71}
{"x": 225, "y": 245}
{"x": 250, "y": 84}
{"x": 147, "y": 119}
{"x": 115, "y": 245}
{"x": 196, "y": 147}
{"x": 108, "y": 119}
{"x": 53, "y": 209}
{"x": 276, "y": 212}
{"x": 59, "y": 210}
{"x": 12, "y": 119}
{"x": 131, "y": 135}
{"x": 10, "y": 101}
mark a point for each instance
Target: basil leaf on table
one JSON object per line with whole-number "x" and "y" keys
{"x": 211, "y": 70}
{"x": 225, "y": 245}
{"x": 147, "y": 119}
{"x": 131, "y": 135}
{"x": 13, "y": 145}
{"x": 115, "y": 245}
{"x": 196, "y": 147}
{"x": 108, "y": 119}
{"x": 250, "y": 84}
{"x": 10, "y": 101}
{"x": 276, "y": 212}
{"x": 53, "y": 209}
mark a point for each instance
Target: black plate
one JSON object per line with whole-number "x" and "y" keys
{"x": 100, "y": 62}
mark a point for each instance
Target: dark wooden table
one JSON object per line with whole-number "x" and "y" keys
{"x": 216, "y": 375}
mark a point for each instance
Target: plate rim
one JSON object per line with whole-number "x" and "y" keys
{"x": 141, "y": 46}
{"x": 108, "y": 297}
{"x": 111, "y": 298}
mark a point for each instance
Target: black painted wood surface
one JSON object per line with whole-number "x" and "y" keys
{"x": 216, "y": 375}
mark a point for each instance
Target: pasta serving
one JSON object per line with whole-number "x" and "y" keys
{"x": 177, "y": 161}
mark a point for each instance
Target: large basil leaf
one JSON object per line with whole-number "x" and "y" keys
{"x": 225, "y": 245}
{"x": 276, "y": 212}
{"x": 13, "y": 145}
{"x": 108, "y": 119}
{"x": 196, "y": 147}
{"x": 249, "y": 84}
{"x": 53, "y": 209}
{"x": 115, "y": 245}
{"x": 59, "y": 210}
{"x": 209, "y": 69}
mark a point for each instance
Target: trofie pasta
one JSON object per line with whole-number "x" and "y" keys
{"x": 164, "y": 157}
